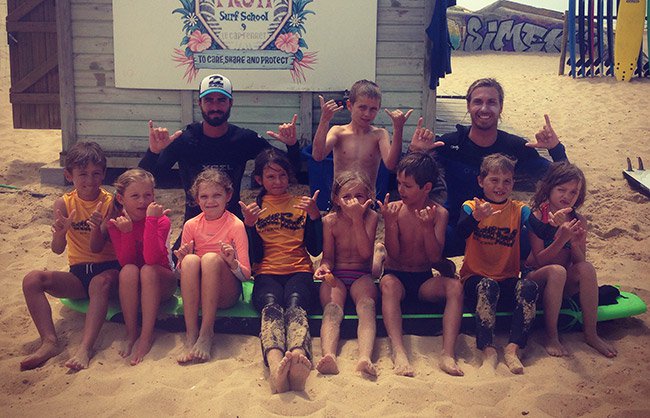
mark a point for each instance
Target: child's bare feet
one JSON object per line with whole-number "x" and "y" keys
{"x": 327, "y": 365}
{"x": 80, "y": 360}
{"x": 555, "y": 348}
{"x": 448, "y": 365}
{"x": 299, "y": 372}
{"x": 202, "y": 348}
{"x": 280, "y": 376}
{"x": 142, "y": 347}
{"x": 490, "y": 360}
{"x": 46, "y": 351}
{"x": 365, "y": 366}
{"x": 126, "y": 346}
{"x": 512, "y": 359}
{"x": 602, "y": 346}
{"x": 401, "y": 365}
{"x": 186, "y": 354}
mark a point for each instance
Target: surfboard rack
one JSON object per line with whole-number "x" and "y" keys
{"x": 639, "y": 178}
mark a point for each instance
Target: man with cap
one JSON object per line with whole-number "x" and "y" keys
{"x": 212, "y": 142}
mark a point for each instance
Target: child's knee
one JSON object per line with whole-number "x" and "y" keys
{"x": 390, "y": 287}
{"x": 527, "y": 290}
{"x": 366, "y": 304}
{"x": 333, "y": 312}
{"x": 489, "y": 289}
{"x": 129, "y": 273}
{"x": 454, "y": 289}
{"x": 213, "y": 260}
{"x": 35, "y": 280}
{"x": 101, "y": 284}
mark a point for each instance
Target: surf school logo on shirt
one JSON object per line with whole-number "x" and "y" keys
{"x": 492, "y": 235}
{"x": 281, "y": 220}
{"x": 81, "y": 226}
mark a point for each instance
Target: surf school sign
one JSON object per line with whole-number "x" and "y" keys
{"x": 259, "y": 44}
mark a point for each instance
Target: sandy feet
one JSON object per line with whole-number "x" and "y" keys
{"x": 279, "y": 375}
{"x": 602, "y": 346}
{"x": 142, "y": 347}
{"x": 202, "y": 348}
{"x": 126, "y": 346}
{"x": 366, "y": 367}
{"x": 401, "y": 365}
{"x": 490, "y": 361}
{"x": 186, "y": 354}
{"x": 555, "y": 348}
{"x": 46, "y": 351}
{"x": 512, "y": 359}
{"x": 80, "y": 360}
{"x": 299, "y": 371}
{"x": 327, "y": 365}
{"x": 448, "y": 365}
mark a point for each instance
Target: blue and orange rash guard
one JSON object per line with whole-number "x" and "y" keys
{"x": 492, "y": 245}
{"x": 461, "y": 160}
{"x": 283, "y": 237}
{"x": 78, "y": 236}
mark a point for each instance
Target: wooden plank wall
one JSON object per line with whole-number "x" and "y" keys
{"x": 117, "y": 118}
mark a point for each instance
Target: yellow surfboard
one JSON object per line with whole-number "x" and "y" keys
{"x": 629, "y": 35}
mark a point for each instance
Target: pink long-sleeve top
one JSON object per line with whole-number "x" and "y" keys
{"x": 208, "y": 236}
{"x": 146, "y": 243}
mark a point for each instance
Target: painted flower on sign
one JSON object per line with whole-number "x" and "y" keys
{"x": 287, "y": 42}
{"x": 198, "y": 41}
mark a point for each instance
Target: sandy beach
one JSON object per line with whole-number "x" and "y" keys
{"x": 600, "y": 121}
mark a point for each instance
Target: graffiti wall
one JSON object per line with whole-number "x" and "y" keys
{"x": 503, "y": 30}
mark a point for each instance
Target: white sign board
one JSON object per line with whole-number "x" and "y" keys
{"x": 264, "y": 45}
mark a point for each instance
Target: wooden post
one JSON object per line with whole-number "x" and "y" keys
{"x": 66, "y": 75}
{"x": 565, "y": 37}
{"x": 428, "y": 95}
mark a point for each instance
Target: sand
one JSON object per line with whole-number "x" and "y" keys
{"x": 600, "y": 121}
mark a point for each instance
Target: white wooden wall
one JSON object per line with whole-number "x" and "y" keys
{"x": 117, "y": 118}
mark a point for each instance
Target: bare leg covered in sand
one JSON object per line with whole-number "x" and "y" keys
{"x": 392, "y": 291}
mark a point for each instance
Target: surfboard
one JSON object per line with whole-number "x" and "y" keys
{"x": 581, "y": 36}
{"x": 590, "y": 28}
{"x": 639, "y": 178}
{"x": 610, "y": 38}
{"x": 571, "y": 27}
{"x": 629, "y": 35}
{"x": 244, "y": 318}
{"x": 601, "y": 34}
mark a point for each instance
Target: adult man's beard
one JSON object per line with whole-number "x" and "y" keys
{"x": 217, "y": 118}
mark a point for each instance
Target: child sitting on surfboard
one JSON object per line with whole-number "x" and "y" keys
{"x": 491, "y": 226}
{"x": 77, "y": 216}
{"x": 213, "y": 260}
{"x": 558, "y": 236}
{"x": 140, "y": 235}
{"x": 414, "y": 239}
{"x": 348, "y": 240}
{"x": 283, "y": 231}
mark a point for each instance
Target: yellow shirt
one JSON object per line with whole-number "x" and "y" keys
{"x": 492, "y": 250}
{"x": 282, "y": 229}
{"x": 78, "y": 236}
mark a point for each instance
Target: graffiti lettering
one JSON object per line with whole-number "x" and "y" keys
{"x": 510, "y": 35}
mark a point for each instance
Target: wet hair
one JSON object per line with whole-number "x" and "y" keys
{"x": 485, "y": 82}
{"x": 211, "y": 175}
{"x": 497, "y": 163}
{"x": 83, "y": 153}
{"x": 365, "y": 88}
{"x": 557, "y": 174}
{"x": 129, "y": 177}
{"x": 421, "y": 166}
{"x": 345, "y": 178}
{"x": 265, "y": 158}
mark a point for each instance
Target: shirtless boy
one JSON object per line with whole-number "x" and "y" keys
{"x": 415, "y": 237}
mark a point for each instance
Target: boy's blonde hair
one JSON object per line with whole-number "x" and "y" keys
{"x": 365, "y": 88}
{"x": 346, "y": 178}
{"x": 83, "y": 153}
{"x": 497, "y": 162}
{"x": 211, "y": 175}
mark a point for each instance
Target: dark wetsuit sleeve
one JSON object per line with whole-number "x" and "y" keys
{"x": 314, "y": 236}
{"x": 466, "y": 223}
{"x": 159, "y": 164}
{"x": 293, "y": 153}
{"x": 255, "y": 245}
